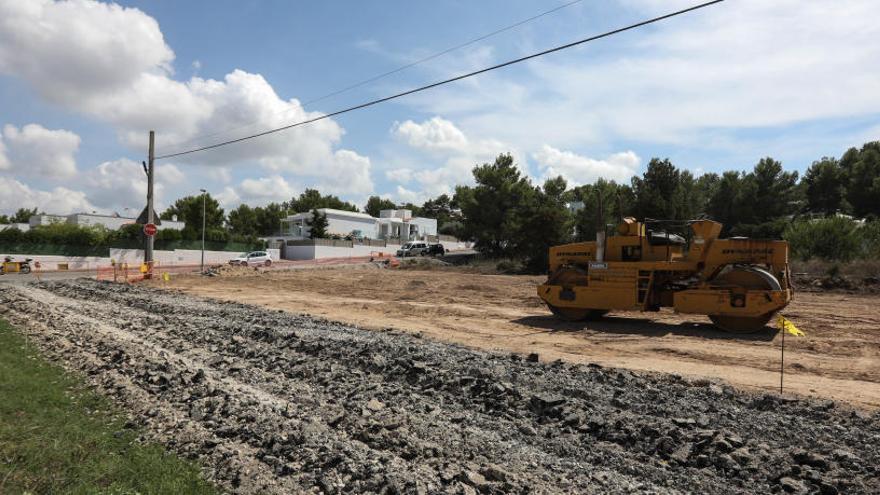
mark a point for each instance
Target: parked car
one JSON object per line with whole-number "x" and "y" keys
{"x": 252, "y": 259}
{"x": 436, "y": 249}
{"x": 416, "y": 248}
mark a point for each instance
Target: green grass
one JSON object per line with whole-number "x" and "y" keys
{"x": 56, "y": 436}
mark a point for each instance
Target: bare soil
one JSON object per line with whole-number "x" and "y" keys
{"x": 839, "y": 358}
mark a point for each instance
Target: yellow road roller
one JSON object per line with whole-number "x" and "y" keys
{"x": 740, "y": 283}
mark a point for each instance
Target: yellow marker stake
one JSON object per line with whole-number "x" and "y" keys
{"x": 786, "y": 327}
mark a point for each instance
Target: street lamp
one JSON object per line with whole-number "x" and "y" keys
{"x": 204, "y": 198}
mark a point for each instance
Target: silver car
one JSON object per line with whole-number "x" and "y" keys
{"x": 253, "y": 258}
{"x": 416, "y": 248}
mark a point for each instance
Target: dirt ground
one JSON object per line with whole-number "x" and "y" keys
{"x": 839, "y": 358}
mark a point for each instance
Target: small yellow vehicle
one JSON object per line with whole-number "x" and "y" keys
{"x": 738, "y": 282}
{"x": 10, "y": 266}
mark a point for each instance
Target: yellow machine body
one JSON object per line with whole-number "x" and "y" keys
{"x": 738, "y": 282}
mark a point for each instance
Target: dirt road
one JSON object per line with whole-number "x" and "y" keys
{"x": 273, "y": 402}
{"x": 839, "y": 358}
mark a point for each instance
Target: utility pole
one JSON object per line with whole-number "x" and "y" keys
{"x": 204, "y": 198}
{"x": 148, "y": 248}
{"x": 600, "y": 227}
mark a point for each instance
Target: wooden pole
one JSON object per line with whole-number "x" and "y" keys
{"x": 782, "y": 360}
{"x": 148, "y": 248}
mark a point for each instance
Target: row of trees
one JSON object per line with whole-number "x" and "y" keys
{"x": 266, "y": 220}
{"x": 22, "y": 215}
{"x": 509, "y": 217}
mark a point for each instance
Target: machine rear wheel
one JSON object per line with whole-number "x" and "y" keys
{"x": 577, "y": 314}
{"x": 572, "y": 276}
{"x": 748, "y": 278}
{"x": 740, "y": 324}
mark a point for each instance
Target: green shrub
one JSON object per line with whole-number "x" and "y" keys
{"x": 834, "y": 238}
{"x": 870, "y": 234}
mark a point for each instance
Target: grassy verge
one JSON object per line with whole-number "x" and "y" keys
{"x": 56, "y": 436}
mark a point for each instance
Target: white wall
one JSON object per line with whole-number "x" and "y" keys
{"x": 133, "y": 257}
{"x": 320, "y": 252}
{"x": 50, "y": 262}
{"x": 181, "y": 256}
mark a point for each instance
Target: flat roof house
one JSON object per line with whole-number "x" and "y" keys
{"x": 392, "y": 225}
{"x": 339, "y": 222}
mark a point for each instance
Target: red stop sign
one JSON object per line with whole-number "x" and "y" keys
{"x": 150, "y": 229}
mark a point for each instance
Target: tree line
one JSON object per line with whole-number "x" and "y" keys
{"x": 507, "y": 216}
{"x": 510, "y": 217}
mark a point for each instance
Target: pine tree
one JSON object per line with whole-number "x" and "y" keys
{"x": 318, "y": 225}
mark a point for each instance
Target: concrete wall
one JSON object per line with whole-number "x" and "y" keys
{"x": 357, "y": 251}
{"x": 133, "y": 257}
{"x": 181, "y": 256}
{"x": 50, "y": 262}
{"x": 320, "y": 252}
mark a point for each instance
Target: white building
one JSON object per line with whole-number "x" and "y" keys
{"x": 395, "y": 226}
{"x": 43, "y": 219}
{"x": 112, "y": 222}
{"x": 24, "y": 227}
{"x": 402, "y": 226}
{"x": 339, "y": 222}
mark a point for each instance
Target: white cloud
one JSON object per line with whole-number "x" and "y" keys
{"x": 265, "y": 190}
{"x": 77, "y": 51}
{"x": 401, "y": 175}
{"x": 738, "y": 65}
{"x": 442, "y": 140}
{"x": 169, "y": 173}
{"x": 4, "y": 160}
{"x": 404, "y": 195}
{"x": 113, "y": 63}
{"x": 35, "y": 150}
{"x": 119, "y": 184}
{"x": 578, "y": 170}
{"x": 434, "y": 134}
{"x": 350, "y": 173}
{"x": 228, "y": 198}
{"x": 60, "y": 200}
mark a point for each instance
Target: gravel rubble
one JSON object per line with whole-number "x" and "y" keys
{"x": 273, "y": 402}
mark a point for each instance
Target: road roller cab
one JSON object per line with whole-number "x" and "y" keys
{"x": 738, "y": 282}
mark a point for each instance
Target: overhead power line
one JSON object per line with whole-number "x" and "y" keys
{"x": 447, "y": 81}
{"x": 441, "y": 53}
{"x": 386, "y": 74}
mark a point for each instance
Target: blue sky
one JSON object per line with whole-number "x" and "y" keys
{"x": 81, "y": 82}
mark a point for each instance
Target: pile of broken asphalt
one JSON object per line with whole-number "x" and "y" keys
{"x": 272, "y": 402}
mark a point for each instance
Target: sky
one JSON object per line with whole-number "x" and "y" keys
{"x": 82, "y": 82}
